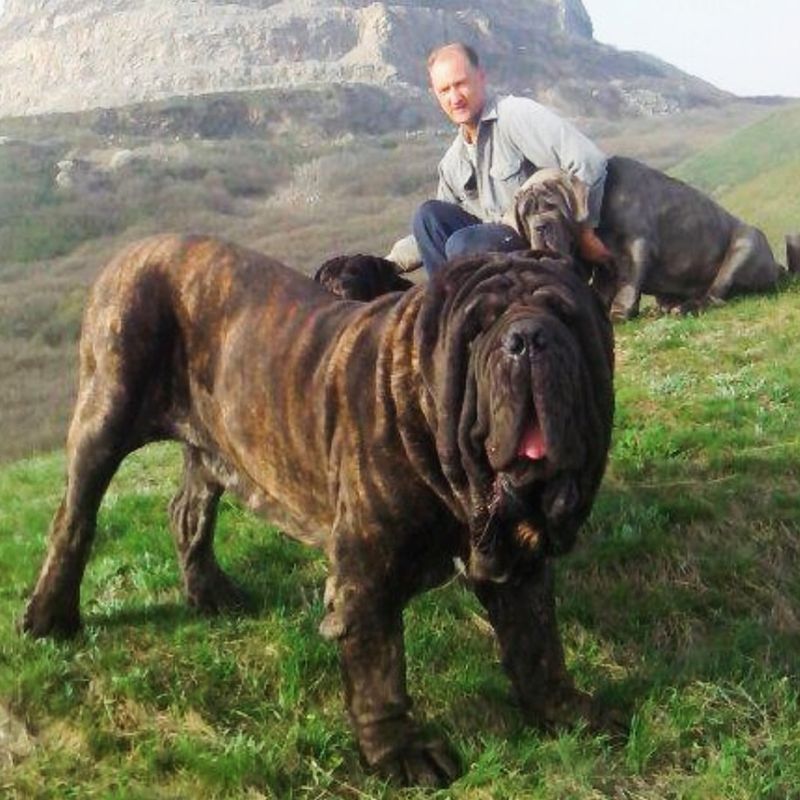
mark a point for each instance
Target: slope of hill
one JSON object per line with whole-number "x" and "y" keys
{"x": 60, "y": 55}
{"x": 755, "y": 173}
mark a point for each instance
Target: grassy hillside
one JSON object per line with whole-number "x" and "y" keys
{"x": 680, "y": 606}
{"x": 755, "y": 174}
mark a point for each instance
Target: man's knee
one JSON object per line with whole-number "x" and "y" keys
{"x": 430, "y": 215}
{"x": 433, "y": 223}
{"x": 484, "y": 238}
{"x": 460, "y": 243}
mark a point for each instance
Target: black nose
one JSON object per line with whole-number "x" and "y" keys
{"x": 515, "y": 344}
{"x": 525, "y": 337}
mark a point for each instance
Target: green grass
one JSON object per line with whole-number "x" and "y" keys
{"x": 680, "y": 607}
{"x": 753, "y": 173}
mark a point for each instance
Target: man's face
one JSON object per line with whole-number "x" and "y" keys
{"x": 459, "y": 87}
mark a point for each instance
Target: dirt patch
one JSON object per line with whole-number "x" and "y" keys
{"x": 15, "y": 741}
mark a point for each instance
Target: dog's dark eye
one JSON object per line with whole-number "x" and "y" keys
{"x": 560, "y": 306}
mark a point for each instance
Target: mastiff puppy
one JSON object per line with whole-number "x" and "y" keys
{"x": 466, "y": 421}
{"x": 360, "y": 277}
{"x": 667, "y": 238}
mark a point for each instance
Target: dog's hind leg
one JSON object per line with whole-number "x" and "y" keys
{"x": 125, "y": 350}
{"x": 748, "y": 266}
{"x": 102, "y": 433}
{"x": 193, "y": 515}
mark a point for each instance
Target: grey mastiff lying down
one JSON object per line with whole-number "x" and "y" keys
{"x": 667, "y": 238}
{"x": 468, "y": 419}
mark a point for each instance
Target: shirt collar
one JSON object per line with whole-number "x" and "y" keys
{"x": 489, "y": 114}
{"x": 489, "y": 109}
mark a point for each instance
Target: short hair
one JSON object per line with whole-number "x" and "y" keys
{"x": 468, "y": 51}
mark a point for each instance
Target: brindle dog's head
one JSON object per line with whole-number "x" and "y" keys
{"x": 549, "y": 208}
{"x": 360, "y": 277}
{"x": 517, "y": 353}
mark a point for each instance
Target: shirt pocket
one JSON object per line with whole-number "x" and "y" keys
{"x": 508, "y": 169}
{"x": 467, "y": 182}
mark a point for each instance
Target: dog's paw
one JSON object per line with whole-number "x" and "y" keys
{"x": 42, "y": 618}
{"x": 564, "y": 707}
{"x": 215, "y": 593}
{"x": 567, "y": 707}
{"x": 433, "y": 764}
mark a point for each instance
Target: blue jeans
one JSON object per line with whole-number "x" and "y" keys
{"x": 444, "y": 231}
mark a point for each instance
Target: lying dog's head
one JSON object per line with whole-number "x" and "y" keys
{"x": 518, "y": 354}
{"x": 360, "y": 277}
{"x": 549, "y": 209}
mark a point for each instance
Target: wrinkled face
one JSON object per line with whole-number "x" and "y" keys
{"x": 516, "y": 355}
{"x": 546, "y": 230}
{"x": 526, "y": 404}
{"x": 459, "y": 87}
{"x": 546, "y": 212}
{"x": 529, "y": 377}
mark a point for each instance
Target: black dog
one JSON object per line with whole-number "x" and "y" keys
{"x": 360, "y": 277}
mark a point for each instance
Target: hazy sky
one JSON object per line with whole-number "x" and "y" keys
{"x": 745, "y": 46}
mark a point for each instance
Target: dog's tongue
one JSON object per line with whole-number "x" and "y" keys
{"x": 532, "y": 444}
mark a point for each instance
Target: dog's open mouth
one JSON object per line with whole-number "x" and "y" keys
{"x": 519, "y": 490}
{"x": 531, "y": 463}
{"x": 518, "y": 443}
{"x": 532, "y": 444}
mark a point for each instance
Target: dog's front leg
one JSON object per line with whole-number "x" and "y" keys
{"x": 369, "y": 629}
{"x": 632, "y": 266}
{"x": 522, "y": 613}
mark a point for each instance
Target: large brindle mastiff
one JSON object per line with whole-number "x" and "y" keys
{"x": 667, "y": 238}
{"x": 465, "y": 421}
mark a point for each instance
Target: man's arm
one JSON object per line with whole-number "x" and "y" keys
{"x": 591, "y": 247}
{"x": 547, "y": 140}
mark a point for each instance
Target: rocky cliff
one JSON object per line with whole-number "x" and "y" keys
{"x": 60, "y": 55}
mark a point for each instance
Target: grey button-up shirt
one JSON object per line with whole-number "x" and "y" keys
{"x": 516, "y": 137}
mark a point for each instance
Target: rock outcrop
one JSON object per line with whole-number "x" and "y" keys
{"x": 65, "y": 55}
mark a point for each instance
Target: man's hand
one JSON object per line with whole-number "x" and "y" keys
{"x": 591, "y": 248}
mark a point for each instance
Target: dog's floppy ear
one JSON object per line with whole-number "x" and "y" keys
{"x": 520, "y": 209}
{"x": 580, "y": 198}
